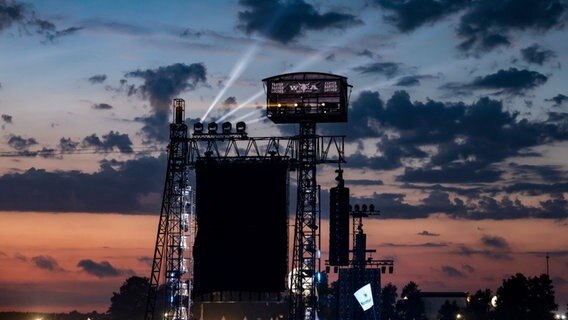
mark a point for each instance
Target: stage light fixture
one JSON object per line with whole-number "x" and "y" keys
{"x": 226, "y": 127}
{"x": 198, "y": 128}
{"x": 212, "y": 127}
{"x": 241, "y": 127}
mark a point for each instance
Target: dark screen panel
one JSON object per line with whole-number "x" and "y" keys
{"x": 242, "y": 240}
{"x": 339, "y": 226}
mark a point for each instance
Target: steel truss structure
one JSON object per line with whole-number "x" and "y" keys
{"x": 176, "y": 228}
{"x": 303, "y": 153}
{"x": 327, "y": 149}
{"x": 305, "y": 98}
{"x": 303, "y": 302}
{"x": 362, "y": 269}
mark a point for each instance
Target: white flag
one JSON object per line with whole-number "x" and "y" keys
{"x": 364, "y": 296}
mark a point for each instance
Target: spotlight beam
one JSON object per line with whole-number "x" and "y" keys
{"x": 258, "y": 120}
{"x": 247, "y": 115}
{"x": 235, "y": 73}
{"x": 317, "y": 56}
{"x": 242, "y": 105}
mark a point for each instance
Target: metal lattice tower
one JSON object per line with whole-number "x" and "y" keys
{"x": 172, "y": 253}
{"x": 306, "y": 98}
{"x": 305, "y": 252}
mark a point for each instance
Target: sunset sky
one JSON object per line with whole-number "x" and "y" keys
{"x": 457, "y": 132}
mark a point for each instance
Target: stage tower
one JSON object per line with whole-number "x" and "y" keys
{"x": 306, "y": 98}
{"x": 176, "y": 229}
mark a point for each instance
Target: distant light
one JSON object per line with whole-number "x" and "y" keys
{"x": 295, "y": 104}
{"x": 279, "y": 105}
{"x": 494, "y": 302}
{"x": 459, "y": 316}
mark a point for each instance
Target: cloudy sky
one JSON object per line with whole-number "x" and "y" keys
{"x": 457, "y": 132}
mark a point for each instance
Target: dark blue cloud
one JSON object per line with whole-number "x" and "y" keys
{"x": 130, "y": 187}
{"x": 23, "y": 15}
{"x": 66, "y": 145}
{"x": 512, "y": 80}
{"x": 163, "y": 84}
{"x": 99, "y": 78}
{"x": 285, "y": 21}
{"x": 487, "y": 24}
{"x": 412, "y": 14}
{"x": 20, "y": 143}
{"x": 536, "y": 54}
{"x": 108, "y": 142}
{"x": 558, "y": 99}
{"x": 11, "y": 12}
{"x": 495, "y": 242}
{"x": 102, "y": 106}
{"x": 7, "y": 118}
{"x": 428, "y": 234}
{"x": 389, "y": 69}
{"x": 46, "y": 263}
{"x": 452, "y": 272}
{"x": 102, "y": 269}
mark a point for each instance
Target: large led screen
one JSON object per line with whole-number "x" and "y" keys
{"x": 242, "y": 221}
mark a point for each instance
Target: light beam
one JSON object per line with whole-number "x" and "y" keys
{"x": 249, "y": 100}
{"x": 235, "y": 73}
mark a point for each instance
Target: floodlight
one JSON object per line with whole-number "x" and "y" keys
{"x": 226, "y": 127}
{"x": 198, "y": 128}
{"x": 241, "y": 127}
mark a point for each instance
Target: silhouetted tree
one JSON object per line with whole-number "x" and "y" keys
{"x": 388, "y": 302}
{"x": 448, "y": 310}
{"x": 130, "y": 302}
{"x": 479, "y": 305}
{"x": 525, "y": 298}
{"x": 541, "y": 299}
{"x": 410, "y": 306}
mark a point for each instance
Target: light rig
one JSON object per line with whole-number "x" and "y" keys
{"x": 188, "y": 243}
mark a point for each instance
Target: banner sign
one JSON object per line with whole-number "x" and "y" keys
{"x": 301, "y": 87}
{"x": 365, "y": 297}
